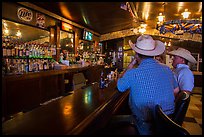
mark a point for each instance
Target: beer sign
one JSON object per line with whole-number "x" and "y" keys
{"x": 40, "y": 20}
{"x": 25, "y": 14}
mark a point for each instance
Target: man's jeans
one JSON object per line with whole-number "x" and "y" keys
{"x": 144, "y": 127}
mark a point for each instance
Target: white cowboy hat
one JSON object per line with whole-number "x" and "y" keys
{"x": 181, "y": 52}
{"x": 145, "y": 45}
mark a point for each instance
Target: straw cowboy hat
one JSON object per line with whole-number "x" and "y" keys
{"x": 145, "y": 45}
{"x": 181, "y": 52}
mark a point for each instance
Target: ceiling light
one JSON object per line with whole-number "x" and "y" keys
{"x": 165, "y": 43}
{"x": 186, "y": 14}
{"x": 142, "y": 30}
{"x": 160, "y": 17}
{"x": 169, "y": 44}
{"x": 143, "y": 25}
{"x": 6, "y": 31}
{"x": 18, "y": 34}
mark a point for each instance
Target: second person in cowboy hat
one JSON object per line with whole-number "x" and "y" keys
{"x": 182, "y": 72}
{"x": 150, "y": 83}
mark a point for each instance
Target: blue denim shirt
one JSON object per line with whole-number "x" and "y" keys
{"x": 150, "y": 83}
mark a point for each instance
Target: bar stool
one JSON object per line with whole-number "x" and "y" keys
{"x": 166, "y": 126}
{"x": 181, "y": 106}
{"x": 79, "y": 81}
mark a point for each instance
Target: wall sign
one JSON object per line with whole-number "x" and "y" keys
{"x": 25, "y": 14}
{"x": 40, "y": 20}
{"x": 66, "y": 26}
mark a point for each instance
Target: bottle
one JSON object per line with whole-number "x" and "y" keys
{"x": 16, "y": 49}
{"x": 116, "y": 73}
{"x": 4, "y": 48}
{"x": 102, "y": 81}
{"x": 8, "y": 48}
{"x": 30, "y": 69}
{"x": 12, "y": 49}
{"x": 45, "y": 65}
{"x": 54, "y": 50}
{"x": 61, "y": 57}
{"x": 27, "y": 51}
{"x": 26, "y": 66}
{"x": 20, "y": 51}
{"x": 40, "y": 64}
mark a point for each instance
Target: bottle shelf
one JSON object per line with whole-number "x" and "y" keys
{"x": 26, "y": 57}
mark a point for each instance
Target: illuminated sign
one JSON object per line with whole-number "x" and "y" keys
{"x": 66, "y": 26}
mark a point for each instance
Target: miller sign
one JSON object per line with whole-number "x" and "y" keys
{"x": 25, "y": 14}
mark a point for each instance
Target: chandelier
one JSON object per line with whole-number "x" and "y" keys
{"x": 180, "y": 26}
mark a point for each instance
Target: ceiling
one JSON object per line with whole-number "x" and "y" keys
{"x": 106, "y": 17}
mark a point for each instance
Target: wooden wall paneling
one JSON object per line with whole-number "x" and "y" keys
{"x": 49, "y": 87}
{"x": 4, "y": 99}
{"x": 22, "y": 95}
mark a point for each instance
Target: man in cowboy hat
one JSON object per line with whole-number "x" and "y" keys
{"x": 150, "y": 83}
{"x": 183, "y": 74}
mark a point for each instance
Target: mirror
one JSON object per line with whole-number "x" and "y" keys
{"x": 24, "y": 33}
{"x": 67, "y": 41}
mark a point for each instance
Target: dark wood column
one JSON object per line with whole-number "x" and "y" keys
{"x": 55, "y": 40}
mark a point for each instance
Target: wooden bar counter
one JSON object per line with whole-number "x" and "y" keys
{"x": 27, "y": 91}
{"x": 197, "y": 78}
{"x": 83, "y": 112}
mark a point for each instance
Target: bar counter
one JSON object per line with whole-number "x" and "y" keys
{"x": 197, "y": 78}
{"x": 68, "y": 69}
{"x": 27, "y": 91}
{"x": 83, "y": 112}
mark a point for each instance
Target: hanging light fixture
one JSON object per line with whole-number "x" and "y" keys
{"x": 186, "y": 14}
{"x": 6, "y": 31}
{"x": 18, "y": 34}
{"x": 169, "y": 44}
{"x": 160, "y": 17}
{"x": 142, "y": 28}
{"x": 179, "y": 26}
{"x": 165, "y": 43}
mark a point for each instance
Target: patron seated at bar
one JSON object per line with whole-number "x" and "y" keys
{"x": 182, "y": 72}
{"x": 150, "y": 83}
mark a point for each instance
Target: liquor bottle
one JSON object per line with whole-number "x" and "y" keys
{"x": 45, "y": 65}
{"x": 50, "y": 64}
{"x": 8, "y": 48}
{"x": 20, "y": 51}
{"x": 27, "y": 51}
{"x": 102, "y": 81}
{"x": 30, "y": 69}
{"x": 40, "y": 64}
{"x": 26, "y": 66}
{"x": 12, "y": 49}
{"x": 53, "y": 50}
{"x": 16, "y": 49}
{"x": 4, "y": 48}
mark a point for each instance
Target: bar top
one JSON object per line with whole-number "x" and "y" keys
{"x": 69, "y": 69}
{"x": 197, "y": 73}
{"x": 66, "y": 116}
